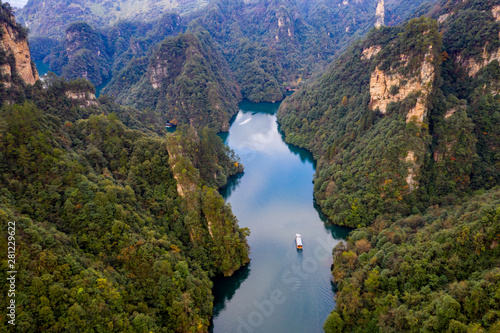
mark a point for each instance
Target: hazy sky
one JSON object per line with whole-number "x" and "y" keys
{"x": 17, "y": 3}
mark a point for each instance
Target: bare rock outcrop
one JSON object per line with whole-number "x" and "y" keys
{"x": 15, "y": 45}
{"x": 496, "y": 13}
{"x": 473, "y": 66}
{"x": 85, "y": 99}
{"x": 386, "y": 88}
{"x": 411, "y": 179}
{"x": 371, "y": 51}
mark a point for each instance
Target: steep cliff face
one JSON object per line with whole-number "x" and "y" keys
{"x": 273, "y": 44}
{"x": 218, "y": 233}
{"x": 51, "y": 18}
{"x": 380, "y": 14}
{"x": 16, "y": 67}
{"x": 407, "y": 117}
{"x": 84, "y": 99}
{"x": 474, "y": 65}
{"x": 389, "y": 88}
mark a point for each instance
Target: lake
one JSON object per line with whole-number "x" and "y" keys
{"x": 282, "y": 289}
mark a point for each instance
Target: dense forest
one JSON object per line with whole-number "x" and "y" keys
{"x": 100, "y": 221}
{"x": 81, "y": 55}
{"x": 436, "y": 272}
{"x": 362, "y": 169}
{"x": 357, "y": 119}
{"x": 120, "y": 226}
{"x": 108, "y": 237}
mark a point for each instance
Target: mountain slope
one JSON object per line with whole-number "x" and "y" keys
{"x": 108, "y": 235}
{"x": 83, "y": 54}
{"x": 270, "y": 44}
{"x": 366, "y": 122}
{"x": 101, "y": 224}
{"x": 398, "y": 123}
{"x": 188, "y": 80}
{"x": 16, "y": 67}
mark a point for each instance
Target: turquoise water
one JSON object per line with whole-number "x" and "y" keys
{"x": 100, "y": 87}
{"x": 282, "y": 289}
{"x": 44, "y": 68}
{"x": 41, "y": 67}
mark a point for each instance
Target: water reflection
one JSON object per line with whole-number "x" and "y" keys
{"x": 225, "y": 287}
{"x": 304, "y": 154}
{"x": 231, "y": 185}
{"x": 269, "y": 108}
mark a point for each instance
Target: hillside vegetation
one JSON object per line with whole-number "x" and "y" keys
{"x": 106, "y": 237}
{"x": 437, "y": 272}
{"x": 363, "y": 144}
{"x": 405, "y": 127}
{"x": 400, "y": 121}
{"x": 187, "y": 80}
{"x": 269, "y": 47}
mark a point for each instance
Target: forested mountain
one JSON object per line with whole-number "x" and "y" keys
{"x": 121, "y": 225}
{"x": 187, "y": 79}
{"x": 83, "y": 54}
{"x": 398, "y": 123}
{"x": 405, "y": 127}
{"x": 95, "y": 54}
{"x": 50, "y": 18}
{"x": 269, "y": 45}
{"x": 365, "y": 121}
{"x": 117, "y": 229}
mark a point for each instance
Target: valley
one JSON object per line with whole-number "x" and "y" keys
{"x": 385, "y": 160}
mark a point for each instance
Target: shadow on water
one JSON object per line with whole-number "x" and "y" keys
{"x": 100, "y": 87}
{"x": 225, "y": 288}
{"x": 304, "y": 154}
{"x": 224, "y": 135}
{"x": 231, "y": 185}
{"x": 338, "y": 232}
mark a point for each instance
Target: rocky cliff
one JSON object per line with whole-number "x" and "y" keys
{"x": 380, "y": 14}
{"x": 16, "y": 67}
{"x": 389, "y": 88}
{"x": 406, "y": 117}
{"x": 84, "y": 99}
{"x": 218, "y": 233}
